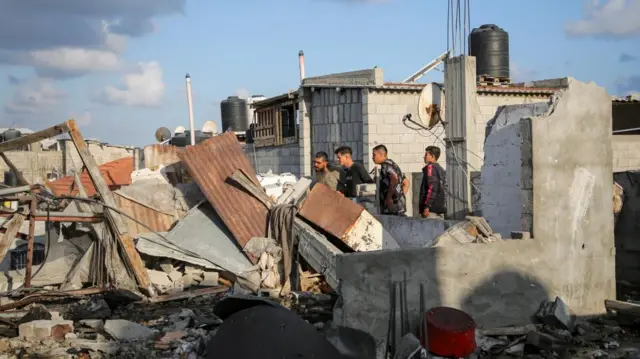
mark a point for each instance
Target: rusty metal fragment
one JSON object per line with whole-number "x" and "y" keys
{"x": 211, "y": 163}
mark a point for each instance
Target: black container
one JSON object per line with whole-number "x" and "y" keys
{"x": 184, "y": 139}
{"x": 490, "y": 46}
{"x": 10, "y": 179}
{"x": 233, "y": 112}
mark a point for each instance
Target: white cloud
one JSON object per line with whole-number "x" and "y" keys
{"x": 34, "y": 96}
{"x": 612, "y": 18}
{"x": 73, "y": 61}
{"x": 144, "y": 88}
{"x": 521, "y": 74}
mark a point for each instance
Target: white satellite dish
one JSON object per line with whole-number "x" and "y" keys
{"x": 179, "y": 129}
{"x": 430, "y": 105}
{"x": 210, "y": 127}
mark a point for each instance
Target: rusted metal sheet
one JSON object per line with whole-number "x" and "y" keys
{"x": 330, "y": 210}
{"x": 211, "y": 163}
{"x": 155, "y": 220}
{"x": 166, "y": 155}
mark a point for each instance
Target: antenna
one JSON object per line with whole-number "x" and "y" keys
{"x": 163, "y": 134}
{"x": 179, "y": 130}
{"x": 430, "y": 105}
{"x": 210, "y": 127}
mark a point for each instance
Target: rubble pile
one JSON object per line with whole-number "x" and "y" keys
{"x": 197, "y": 264}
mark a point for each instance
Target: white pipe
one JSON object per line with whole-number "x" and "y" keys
{"x": 301, "y": 64}
{"x": 192, "y": 131}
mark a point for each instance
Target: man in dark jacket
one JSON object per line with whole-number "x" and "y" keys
{"x": 392, "y": 199}
{"x": 432, "y": 189}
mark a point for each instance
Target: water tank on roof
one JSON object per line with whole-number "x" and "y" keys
{"x": 490, "y": 45}
{"x": 11, "y": 134}
{"x": 233, "y": 113}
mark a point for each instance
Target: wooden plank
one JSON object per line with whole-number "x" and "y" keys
{"x": 131, "y": 257}
{"x": 34, "y": 137}
{"x": 21, "y": 180}
{"x": 13, "y": 225}
{"x": 622, "y": 307}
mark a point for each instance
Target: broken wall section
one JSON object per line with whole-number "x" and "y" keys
{"x": 507, "y": 174}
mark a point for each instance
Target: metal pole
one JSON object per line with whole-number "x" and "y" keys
{"x": 190, "y": 104}
{"x": 301, "y": 65}
{"x": 32, "y": 227}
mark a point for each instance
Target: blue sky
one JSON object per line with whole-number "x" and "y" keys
{"x": 118, "y": 67}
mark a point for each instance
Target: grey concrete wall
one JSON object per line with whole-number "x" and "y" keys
{"x": 503, "y": 283}
{"x": 414, "y": 232}
{"x": 506, "y": 177}
{"x": 336, "y": 120}
{"x": 36, "y": 165}
{"x": 626, "y": 152}
{"x": 279, "y": 159}
{"x": 383, "y": 113}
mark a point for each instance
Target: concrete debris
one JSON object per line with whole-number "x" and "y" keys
{"x": 45, "y": 329}
{"x": 125, "y": 330}
{"x": 557, "y": 314}
{"x": 471, "y": 230}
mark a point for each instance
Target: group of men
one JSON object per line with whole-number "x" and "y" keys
{"x": 393, "y": 184}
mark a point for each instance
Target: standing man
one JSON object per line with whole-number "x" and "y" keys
{"x": 432, "y": 199}
{"x": 324, "y": 174}
{"x": 392, "y": 183}
{"x": 354, "y": 173}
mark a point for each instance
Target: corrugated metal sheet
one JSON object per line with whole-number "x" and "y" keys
{"x": 211, "y": 163}
{"x": 155, "y": 155}
{"x": 330, "y": 210}
{"x": 115, "y": 173}
{"x": 512, "y": 90}
{"x": 155, "y": 220}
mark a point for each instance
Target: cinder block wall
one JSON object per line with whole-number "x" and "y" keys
{"x": 279, "y": 159}
{"x": 485, "y": 109}
{"x": 34, "y": 165}
{"x": 336, "y": 120}
{"x": 102, "y": 153}
{"x": 626, "y": 152}
{"x": 506, "y": 180}
{"x": 384, "y": 110}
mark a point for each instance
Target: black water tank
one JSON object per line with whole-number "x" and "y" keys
{"x": 233, "y": 112}
{"x": 490, "y": 45}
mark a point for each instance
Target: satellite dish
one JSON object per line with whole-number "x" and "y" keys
{"x": 163, "y": 134}
{"x": 430, "y": 109}
{"x": 179, "y": 129}
{"x": 210, "y": 127}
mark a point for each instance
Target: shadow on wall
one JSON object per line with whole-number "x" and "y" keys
{"x": 505, "y": 298}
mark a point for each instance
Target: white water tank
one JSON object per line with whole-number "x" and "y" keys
{"x": 250, "y": 100}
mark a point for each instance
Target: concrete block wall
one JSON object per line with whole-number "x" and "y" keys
{"x": 102, "y": 153}
{"x": 336, "y": 120}
{"x": 279, "y": 159}
{"x": 626, "y": 152}
{"x": 506, "y": 191}
{"x": 34, "y": 165}
{"x": 485, "y": 107}
{"x": 384, "y": 110}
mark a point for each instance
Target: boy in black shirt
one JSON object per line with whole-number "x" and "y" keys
{"x": 353, "y": 174}
{"x": 432, "y": 189}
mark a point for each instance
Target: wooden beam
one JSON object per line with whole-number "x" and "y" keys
{"x": 34, "y": 137}
{"x": 21, "y": 180}
{"x": 41, "y": 216}
{"x": 13, "y": 226}
{"x": 131, "y": 256}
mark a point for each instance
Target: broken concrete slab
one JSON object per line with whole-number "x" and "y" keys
{"x": 45, "y": 329}
{"x": 125, "y": 330}
{"x": 345, "y": 220}
{"x": 160, "y": 280}
{"x": 557, "y": 314}
{"x": 317, "y": 251}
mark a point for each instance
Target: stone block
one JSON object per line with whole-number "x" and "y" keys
{"x": 210, "y": 279}
{"x": 557, "y": 314}
{"x": 45, "y": 329}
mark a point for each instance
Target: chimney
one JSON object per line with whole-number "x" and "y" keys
{"x": 301, "y": 63}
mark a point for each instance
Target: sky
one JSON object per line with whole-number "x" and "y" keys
{"x": 118, "y": 66}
